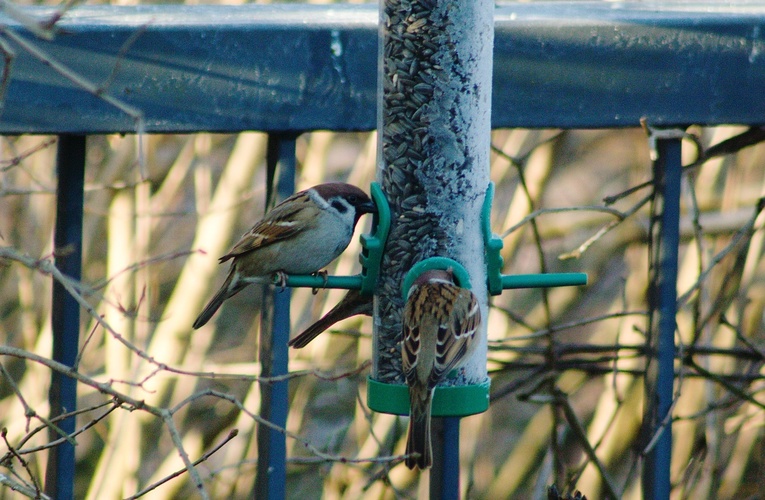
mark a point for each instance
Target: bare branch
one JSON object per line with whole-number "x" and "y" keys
{"x": 203, "y": 458}
{"x": 80, "y": 81}
{"x": 16, "y": 160}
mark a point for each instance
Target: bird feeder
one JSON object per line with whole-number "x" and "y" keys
{"x": 448, "y": 400}
{"x": 463, "y": 400}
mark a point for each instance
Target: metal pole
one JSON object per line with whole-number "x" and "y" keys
{"x": 67, "y": 244}
{"x": 667, "y": 172}
{"x": 271, "y": 479}
{"x": 445, "y": 474}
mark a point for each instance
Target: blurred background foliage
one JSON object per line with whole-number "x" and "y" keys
{"x": 565, "y": 363}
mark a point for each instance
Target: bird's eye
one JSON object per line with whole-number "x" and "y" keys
{"x": 353, "y": 199}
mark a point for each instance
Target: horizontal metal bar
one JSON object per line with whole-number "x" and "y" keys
{"x": 305, "y": 67}
{"x": 511, "y": 281}
{"x": 308, "y": 281}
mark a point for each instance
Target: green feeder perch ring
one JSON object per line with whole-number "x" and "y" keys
{"x": 460, "y": 273}
{"x": 450, "y": 401}
{"x": 496, "y": 282}
{"x": 493, "y": 246}
{"x": 372, "y": 245}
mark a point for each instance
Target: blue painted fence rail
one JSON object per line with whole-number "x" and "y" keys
{"x": 307, "y": 67}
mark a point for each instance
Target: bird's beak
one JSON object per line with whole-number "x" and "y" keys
{"x": 368, "y": 207}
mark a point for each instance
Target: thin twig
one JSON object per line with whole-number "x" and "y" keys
{"x": 30, "y": 22}
{"x": 577, "y": 253}
{"x": 233, "y": 400}
{"x": 24, "y": 464}
{"x": 581, "y": 435}
{"x": 134, "y": 36}
{"x": 25, "y": 451}
{"x": 17, "y": 159}
{"x": 167, "y": 418}
{"x": 741, "y": 337}
{"x": 735, "y": 240}
{"x": 145, "y": 263}
{"x": 587, "y": 366}
{"x": 78, "y": 80}
{"x": 9, "y": 56}
{"x": 752, "y": 136}
{"x": 28, "y": 411}
{"x": 566, "y": 326}
{"x": 546, "y": 211}
{"x": 22, "y": 488}
{"x": 721, "y": 380}
{"x": 203, "y": 458}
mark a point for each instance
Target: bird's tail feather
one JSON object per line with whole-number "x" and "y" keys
{"x": 351, "y": 305}
{"x": 311, "y": 332}
{"x": 230, "y": 287}
{"x": 418, "y": 440}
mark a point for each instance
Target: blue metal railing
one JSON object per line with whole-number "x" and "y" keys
{"x": 271, "y": 480}
{"x": 65, "y": 313}
{"x": 660, "y": 371}
{"x": 556, "y": 64}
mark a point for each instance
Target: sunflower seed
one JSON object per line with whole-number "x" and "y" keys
{"x": 416, "y": 25}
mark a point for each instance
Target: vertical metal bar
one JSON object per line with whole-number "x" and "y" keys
{"x": 445, "y": 474}
{"x": 663, "y": 297}
{"x": 271, "y": 479}
{"x": 67, "y": 244}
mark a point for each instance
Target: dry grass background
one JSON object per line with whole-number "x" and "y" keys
{"x": 565, "y": 363}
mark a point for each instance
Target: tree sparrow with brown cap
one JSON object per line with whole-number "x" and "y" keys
{"x": 300, "y": 235}
{"x": 440, "y": 324}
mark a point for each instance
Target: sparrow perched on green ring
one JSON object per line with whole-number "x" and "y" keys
{"x": 300, "y": 235}
{"x": 440, "y": 324}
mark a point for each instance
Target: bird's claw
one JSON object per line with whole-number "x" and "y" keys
{"x": 324, "y": 274}
{"x": 281, "y": 279}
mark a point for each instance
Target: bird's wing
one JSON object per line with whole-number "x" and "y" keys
{"x": 412, "y": 346}
{"x": 453, "y": 313}
{"x": 295, "y": 214}
{"x": 457, "y": 330}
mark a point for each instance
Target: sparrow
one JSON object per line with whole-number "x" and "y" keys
{"x": 440, "y": 324}
{"x": 300, "y": 235}
{"x": 352, "y": 304}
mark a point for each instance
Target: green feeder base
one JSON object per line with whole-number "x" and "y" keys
{"x": 454, "y": 401}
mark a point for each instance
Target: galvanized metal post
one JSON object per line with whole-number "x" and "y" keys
{"x": 67, "y": 244}
{"x": 271, "y": 479}
{"x": 434, "y": 125}
{"x": 660, "y": 375}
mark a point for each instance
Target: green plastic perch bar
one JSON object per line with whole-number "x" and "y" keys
{"x": 511, "y": 281}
